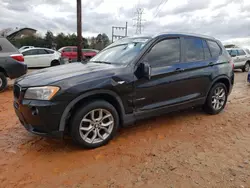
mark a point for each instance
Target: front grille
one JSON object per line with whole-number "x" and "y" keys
{"x": 17, "y": 91}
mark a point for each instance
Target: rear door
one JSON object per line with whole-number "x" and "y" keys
{"x": 242, "y": 57}
{"x": 196, "y": 69}
{"x": 44, "y": 58}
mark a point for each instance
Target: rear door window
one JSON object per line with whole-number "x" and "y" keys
{"x": 194, "y": 49}
{"x": 214, "y": 48}
{"x": 42, "y": 51}
{"x": 74, "y": 49}
{"x": 241, "y": 52}
{"x": 207, "y": 53}
{"x": 30, "y": 52}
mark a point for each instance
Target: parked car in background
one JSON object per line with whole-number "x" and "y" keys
{"x": 132, "y": 79}
{"x": 11, "y": 63}
{"x": 71, "y": 52}
{"x": 241, "y": 58}
{"x": 25, "y": 47}
{"x": 41, "y": 57}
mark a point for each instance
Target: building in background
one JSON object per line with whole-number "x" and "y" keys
{"x": 17, "y": 33}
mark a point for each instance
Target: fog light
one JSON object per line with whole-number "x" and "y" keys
{"x": 34, "y": 111}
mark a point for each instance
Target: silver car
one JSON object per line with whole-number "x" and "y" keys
{"x": 241, "y": 58}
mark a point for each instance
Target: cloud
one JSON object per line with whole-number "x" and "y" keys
{"x": 225, "y": 19}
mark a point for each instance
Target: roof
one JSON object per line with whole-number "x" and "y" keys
{"x": 173, "y": 33}
{"x": 36, "y": 48}
{"x": 186, "y": 34}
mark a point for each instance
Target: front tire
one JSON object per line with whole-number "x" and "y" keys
{"x": 3, "y": 82}
{"x": 246, "y": 67}
{"x": 94, "y": 124}
{"x": 216, "y": 99}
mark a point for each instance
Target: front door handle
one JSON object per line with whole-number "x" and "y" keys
{"x": 179, "y": 70}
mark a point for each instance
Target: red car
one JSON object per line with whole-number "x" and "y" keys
{"x": 70, "y": 52}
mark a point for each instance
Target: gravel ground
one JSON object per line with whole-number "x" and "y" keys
{"x": 181, "y": 149}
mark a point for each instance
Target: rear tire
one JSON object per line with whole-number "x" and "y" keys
{"x": 246, "y": 67}
{"x": 55, "y": 63}
{"x": 216, "y": 99}
{"x": 3, "y": 82}
{"x": 94, "y": 124}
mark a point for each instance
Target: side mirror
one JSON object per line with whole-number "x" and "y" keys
{"x": 144, "y": 70}
{"x": 233, "y": 55}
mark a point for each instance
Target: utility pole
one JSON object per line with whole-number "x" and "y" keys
{"x": 79, "y": 30}
{"x": 139, "y": 12}
{"x": 119, "y": 28}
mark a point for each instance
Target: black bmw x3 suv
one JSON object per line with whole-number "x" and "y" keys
{"x": 131, "y": 79}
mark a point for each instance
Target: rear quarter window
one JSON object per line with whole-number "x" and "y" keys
{"x": 6, "y": 46}
{"x": 214, "y": 48}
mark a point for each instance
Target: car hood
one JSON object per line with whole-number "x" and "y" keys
{"x": 50, "y": 76}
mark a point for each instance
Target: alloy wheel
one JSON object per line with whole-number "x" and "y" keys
{"x": 96, "y": 126}
{"x": 247, "y": 67}
{"x": 218, "y": 98}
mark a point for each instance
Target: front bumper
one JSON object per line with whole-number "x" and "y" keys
{"x": 40, "y": 117}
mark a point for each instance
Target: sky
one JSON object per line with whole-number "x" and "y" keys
{"x": 227, "y": 20}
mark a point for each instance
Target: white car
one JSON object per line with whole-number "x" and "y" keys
{"x": 41, "y": 57}
{"x": 241, "y": 58}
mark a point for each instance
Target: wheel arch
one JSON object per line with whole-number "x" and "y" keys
{"x": 221, "y": 79}
{"x": 3, "y": 71}
{"x": 105, "y": 95}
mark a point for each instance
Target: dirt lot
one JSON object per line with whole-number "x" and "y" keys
{"x": 185, "y": 149}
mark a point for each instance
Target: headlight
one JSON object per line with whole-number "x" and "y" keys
{"x": 41, "y": 93}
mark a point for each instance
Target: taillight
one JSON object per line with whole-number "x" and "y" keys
{"x": 232, "y": 63}
{"x": 18, "y": 57}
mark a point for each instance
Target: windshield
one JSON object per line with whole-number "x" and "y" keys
{"x": 121, "y": 52}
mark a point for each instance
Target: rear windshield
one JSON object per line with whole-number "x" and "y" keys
{"x": 6, "y": 46}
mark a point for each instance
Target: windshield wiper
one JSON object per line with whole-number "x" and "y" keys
{"x": 104, "y": 62}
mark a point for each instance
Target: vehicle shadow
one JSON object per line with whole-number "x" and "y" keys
{"x": 124, "y": 135}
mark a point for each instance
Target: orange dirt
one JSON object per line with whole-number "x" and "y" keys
{"x": 182, "y": 149}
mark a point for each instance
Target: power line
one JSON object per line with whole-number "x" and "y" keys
{"x": 160, "y": 8}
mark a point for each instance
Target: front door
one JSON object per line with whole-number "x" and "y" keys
{"x": 161, "y": 89}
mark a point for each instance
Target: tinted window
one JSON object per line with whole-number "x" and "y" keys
{"x": 194, "y": 49}
{"x": 232, "y": 52}
{"x": 165, "y": 53}
{"x": 206, "y": 50}
{"x": 30, "y": 52}
{"x": 241, "y": 52}
{"x": 49, "y": 51}
{"x": 74, "y": 49}
{"x": 42, "y": 51}
{"x": 214, "y": 48}
{"x": 67, "y": 49}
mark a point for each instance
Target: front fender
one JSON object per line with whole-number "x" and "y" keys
{"x": 85, "y": 95}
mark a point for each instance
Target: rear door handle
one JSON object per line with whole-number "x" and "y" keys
{"x": 179, "y": 70}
